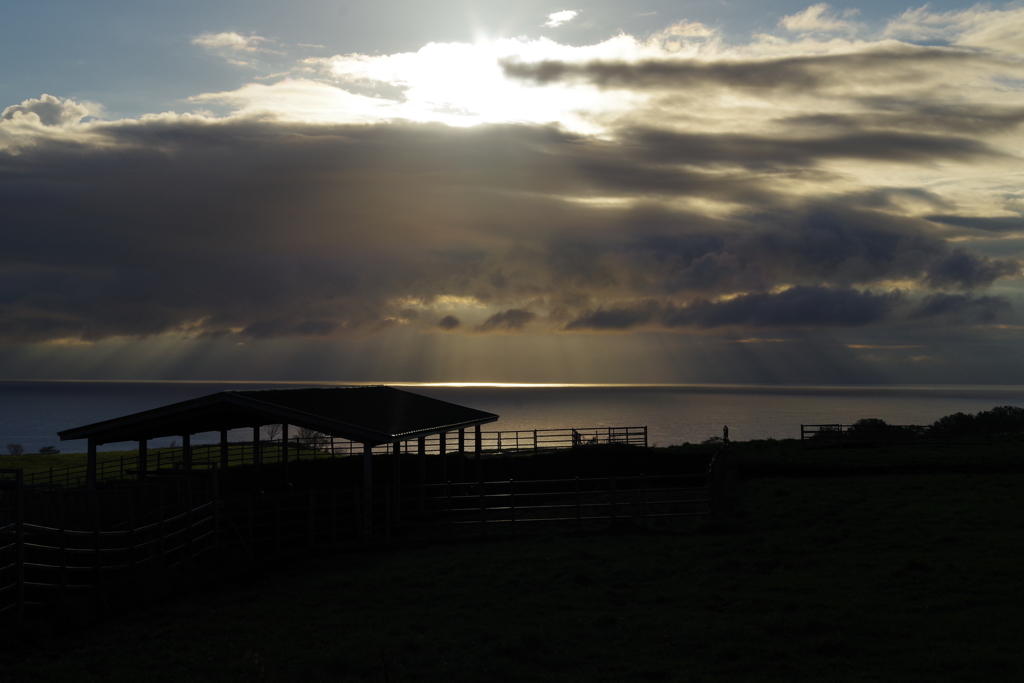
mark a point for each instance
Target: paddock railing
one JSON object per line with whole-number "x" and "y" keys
{"x": 268, "y": 525}
{"x": 322, "y": 446}
{"x": 79, "y": 540}
{"x": 825, "y": 433}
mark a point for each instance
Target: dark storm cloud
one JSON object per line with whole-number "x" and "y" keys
{"x": 984, "y": 223}
{"x": 835, "y": 242}
{"x": 449, "y": 322}
{"x": 758, "y": 151}
{"x": 266, "y": 230}
{"x": 512, "y": 319}
{"x": 960, "y": 308}
{"x": 803, "y": 73}
{"x": 796, "y": 307}
{"x": 965, "y": 270}
{"x": 896, "y": 114}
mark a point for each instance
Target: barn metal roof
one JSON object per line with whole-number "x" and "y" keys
{"x": 365, "y": 414}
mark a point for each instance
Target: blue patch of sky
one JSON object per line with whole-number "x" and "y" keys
{"x": 137, "y": 58}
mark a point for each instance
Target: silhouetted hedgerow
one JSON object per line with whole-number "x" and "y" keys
{"x": 999, "y": 420}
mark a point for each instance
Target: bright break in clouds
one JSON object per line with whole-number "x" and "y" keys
{"x": 827, "y": 201}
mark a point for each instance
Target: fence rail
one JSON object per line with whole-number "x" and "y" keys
{"x": 272, "y": 524}
{"x": 839, "y": 432}
{"x": 138, "y": 527}
{"x": 81, "y": 537}
{"x": 321, "y": 446}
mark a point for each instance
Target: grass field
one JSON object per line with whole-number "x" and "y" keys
{"x": 879, "y": 568}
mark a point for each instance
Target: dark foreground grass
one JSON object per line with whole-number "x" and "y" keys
{"x": 835, "y": 578}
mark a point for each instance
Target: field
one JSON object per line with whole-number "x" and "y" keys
{"x": 872, "y": 564}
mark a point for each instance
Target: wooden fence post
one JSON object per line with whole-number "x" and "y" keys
{"x": 612, "y": 497}
{"x": 277, "y": 523}
{"x": 131, "y": 532}
{"x": 162, "y": 528}
{"x": 312, "y": 517}
{"x": 215, "y": 505}
{"x": 188, "y": 529}
{"x": 448, "y": 494}
{"x": 578, "y": 520}
{"x": 358, "y": 510}
{"x": 249, "y": 519}
{"x": 643, "y": 500}
{"x": 334, "y": 513}
{"x": 62, "y": 533}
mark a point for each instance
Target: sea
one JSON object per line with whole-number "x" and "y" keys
{"x": 32, "y": 412}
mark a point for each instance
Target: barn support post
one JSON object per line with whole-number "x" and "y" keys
{"x": 442, "y": 448}
{"x": 186, "y": 451}
{"x": 421, "y": 469}
{"x": 367, "y": 489}
{"x": 224, "y": 449}
{"x": 478, "y": 448}
{"x": 255, "y": 446}
{"x": 284, "y": 448}
{"x": 90, "y": 464}
{"x": 462, "y": 455}
{"x": 396, "y": 474}
{"x": 140, "y": 466}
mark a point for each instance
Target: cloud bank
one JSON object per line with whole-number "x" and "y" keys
{"x": 816, "y": 184}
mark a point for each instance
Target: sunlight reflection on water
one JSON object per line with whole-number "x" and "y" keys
{"x": 32, "y": 412}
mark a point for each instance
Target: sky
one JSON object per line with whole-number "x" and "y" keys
{"x": 520, "y": 191}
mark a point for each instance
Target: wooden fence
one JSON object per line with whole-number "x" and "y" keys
{"x": 322, "y": 446}
{"x": 832, "y": 433}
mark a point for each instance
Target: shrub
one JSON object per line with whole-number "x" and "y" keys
{"x": 870, "y": 427}
{"x": 48, "y": 450}
{"x": 875, "y": 429}
{"x": 1001, "y": 420}
{"x": 956, "y": 424}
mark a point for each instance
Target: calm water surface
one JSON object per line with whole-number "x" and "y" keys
{"x": 31, "y": 413}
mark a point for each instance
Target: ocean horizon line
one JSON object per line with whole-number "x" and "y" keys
{"x": 543, "y": 385}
